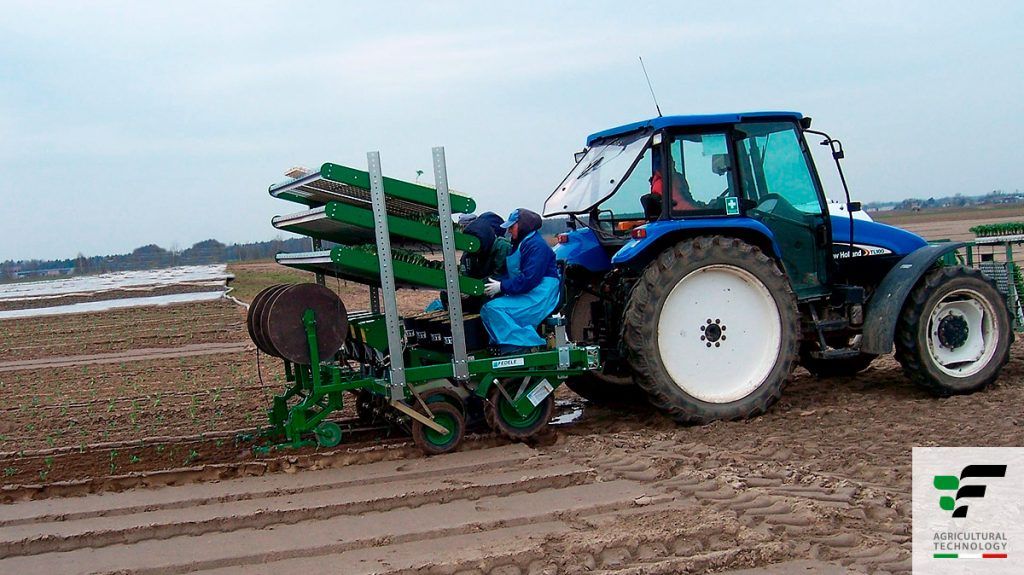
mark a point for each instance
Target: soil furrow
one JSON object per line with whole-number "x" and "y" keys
{"x": 142, "y": 354}
{"x": 322, "y": 537}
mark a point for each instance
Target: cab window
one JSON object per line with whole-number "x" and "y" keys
{"x": 774, "y": 166}
{"x": 626, "y": 203}
{"x": 700, "y": 178}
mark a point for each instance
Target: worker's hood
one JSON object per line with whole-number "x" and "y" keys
{"x": 529, "y": 222}
{"x": 483, "y": 230}
{"x": 494, "y": 221}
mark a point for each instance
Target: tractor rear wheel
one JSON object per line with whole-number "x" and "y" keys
{"x": 712, "y": 330}
{"x": 597, "y": 386}
{"x": 953, "y": 335}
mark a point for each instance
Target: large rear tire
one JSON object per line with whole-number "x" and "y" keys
{"x": 597, "y": 386}
{"x": 712, "y": 330}
{"x": 954, "y": 334}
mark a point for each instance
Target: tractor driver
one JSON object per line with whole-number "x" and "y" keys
{"x": 682, "y": 200}
{"x": 528, "y": 293}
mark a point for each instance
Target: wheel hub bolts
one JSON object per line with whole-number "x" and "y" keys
{"x": 953, "y": 331}
{"x": 713, "y": 332}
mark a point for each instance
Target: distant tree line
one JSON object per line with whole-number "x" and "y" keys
{"x": 153, "y": 256}
{"x": 995, "y": 197}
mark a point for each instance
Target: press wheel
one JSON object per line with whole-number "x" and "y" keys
{"x": 503, "y": 418}
{"x": 328, "y": 434}
{"x": 434, "y": 442}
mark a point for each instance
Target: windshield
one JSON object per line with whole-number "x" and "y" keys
{"x": 597, "y": 175}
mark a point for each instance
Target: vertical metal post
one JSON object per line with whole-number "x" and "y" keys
{"x": 451, "y": 266}
{"x": 318, "y": 246}
{"x": 387, "y": 276}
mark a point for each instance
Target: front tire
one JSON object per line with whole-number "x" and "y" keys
{"x": 954, "y": 334}
{"x": 712, "y": 330}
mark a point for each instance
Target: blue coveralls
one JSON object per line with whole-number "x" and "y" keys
{"x": 529, "y": 294}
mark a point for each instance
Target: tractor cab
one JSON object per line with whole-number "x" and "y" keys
{"x": 704, "y": 260}
{"x": 638, "y": 183}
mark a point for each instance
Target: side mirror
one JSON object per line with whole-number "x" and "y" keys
{"x": 853, "y": 207}
{"x": 580, "y": 155}
{"x": 837, "y": 148}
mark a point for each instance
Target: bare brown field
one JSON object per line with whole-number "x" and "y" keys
{"x": 121, "y": 329}
{"x": 115, "y": 463}
{"x": 253, "y": 277}
{"x": 951, "y": 223}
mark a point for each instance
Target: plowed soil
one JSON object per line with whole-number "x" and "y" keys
{"x": 121, "y": 457}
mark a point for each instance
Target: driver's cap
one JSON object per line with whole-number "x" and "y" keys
{"x": 512, "y": 219}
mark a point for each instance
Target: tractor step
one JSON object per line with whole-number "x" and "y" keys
{"x": 831, "y": 324}
{"x": 845, "y": 353}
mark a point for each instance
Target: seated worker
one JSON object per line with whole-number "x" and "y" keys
{"x": 529, "y": 293}
{"x": 489, "y": 260}
{"x": 681, "y": 197}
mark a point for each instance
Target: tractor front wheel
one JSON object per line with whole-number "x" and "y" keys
{"x": 953, "y": 335}
{"x": 712, "y": 330}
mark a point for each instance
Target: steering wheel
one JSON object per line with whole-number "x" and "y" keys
{"x": 768, "y": 198}
{"x": 719, "y": 202}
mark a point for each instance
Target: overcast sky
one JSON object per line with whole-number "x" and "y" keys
{"x": 129, "y": 123}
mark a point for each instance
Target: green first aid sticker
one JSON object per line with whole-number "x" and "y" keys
{"x": 732, "y": 206}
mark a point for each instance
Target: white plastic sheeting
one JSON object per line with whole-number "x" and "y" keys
{"x": 83, "y": 285}
{"x": 212, "y": 276}
{"x": 104, "y": 305}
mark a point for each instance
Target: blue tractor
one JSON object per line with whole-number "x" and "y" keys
{"x": 705, "y": 261}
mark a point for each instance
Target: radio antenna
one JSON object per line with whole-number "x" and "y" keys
{"x": 655, "y": 98}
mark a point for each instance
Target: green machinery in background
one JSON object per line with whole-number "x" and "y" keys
{"x": 992, "y": 253}
{"x": 430, "y": 374}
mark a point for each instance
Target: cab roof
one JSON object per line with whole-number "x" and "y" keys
{"x": 689, "y": 121}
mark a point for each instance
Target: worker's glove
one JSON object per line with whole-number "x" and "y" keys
{"x": 492, "y": 287}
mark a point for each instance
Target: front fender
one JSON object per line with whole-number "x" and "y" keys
{"x": 883, "y": 309}
{"x": 582, "y": 248}
{"x": 657, "y": 231}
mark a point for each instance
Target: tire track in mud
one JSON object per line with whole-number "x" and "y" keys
{"x": 507, "y": 510}
{"x": 822, "y": 518}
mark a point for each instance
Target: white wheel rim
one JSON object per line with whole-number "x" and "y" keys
{"x": 745, "y": 333}
{"x": 963, "y": 308}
